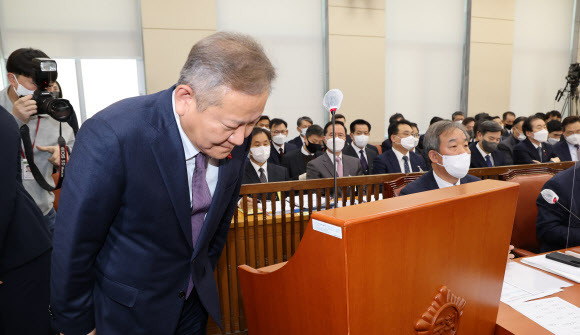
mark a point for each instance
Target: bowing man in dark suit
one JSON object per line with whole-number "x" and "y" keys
{"x": 507, "y": 145}
{"x": 257, "y": 168}
{"x": 400, "y": 159}
{"x": 508, "y": 120}
{"x": 568, "y": 149}
{"x": 484, "y": 152}
{"x": 447, "y": 146}
{"x": 279, "y": 132}
{"x": 149, "y": 195}
{"x": 534, "y": 148}
{"x": 359, "y": 134}
{"x": 553, "y": 221}
{"x": 302, "y": 125}
{"x": 24, "y": 245}
{"x": 296, "y": 161}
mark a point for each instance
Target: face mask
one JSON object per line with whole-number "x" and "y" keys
{"x": 459, "y": 121}
{"x": 303, "y": 131}
{"x": 339, "y": 144}
{"x": 456, "y": 165}
{"x": 312, "y": 147}
{"x": 553, "y": 141}
{"x": 416, "y": 139}
{"x": 21, "y": 90}
{"x": 508, "y": 126}
{"x": 541, "y": 136}
{"x": 408, "y": 142}
{"x": 470, "y": 133}
{"x": 279, "y": 139}
{"x": 521, "y": 136}
{"x": 261, "y": 153}
{"x": 573, "y": 139}
{"x": 361, "y": 140}
{"x": 489, "y": 146}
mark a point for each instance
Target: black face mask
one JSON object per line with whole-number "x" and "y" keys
{"x": 312, "y": 147}
{"x": 470, "y": 133}
{"x": 508, "y": 126}
{"x": 488, "y": 146}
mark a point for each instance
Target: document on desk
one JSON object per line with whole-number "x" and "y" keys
{"x": 556, "y": 315}
{"x": 522, "y": 283}
{"x": 561, "y": 269}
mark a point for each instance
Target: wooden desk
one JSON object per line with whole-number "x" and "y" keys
{"x": 511, "y": 322}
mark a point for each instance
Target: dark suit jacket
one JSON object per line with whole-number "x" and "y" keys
{"x": 123, "y": 251}
{"x": 370, "y": 151}
{"x": 505, "y": 133}
{"x": 294, "y": 162}
{"x": 478, "y": 161}
{"x": 552, "y": 220}
{"x": 275, "y": 173}
{"x": 386, "y": 145}
{"x": 387, "y": 163}
{"x": 23, "y": 233}
{"x": 525, "y": 152}
{"x": 427, "y": 183}
{"x": 297, "y": 142}
{"x": 322, "y": 167}
{"x": 275, "y": 155}
{"x": 562, "y": 151}
{"x": 506, "y": 147}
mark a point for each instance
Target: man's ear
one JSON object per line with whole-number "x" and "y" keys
{"x": 184, "y": 99}
{"x": 12, "y": 79}
{"x": 351, "y": 136}
{"x": 433, "y": 156}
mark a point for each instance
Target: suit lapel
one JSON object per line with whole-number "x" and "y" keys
{"x": 393, "y": 162}
{"x": 251, "y": 173}
{"x": 328, "y": 164}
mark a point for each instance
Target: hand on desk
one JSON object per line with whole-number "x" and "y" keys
{"x": 510, "y": 255}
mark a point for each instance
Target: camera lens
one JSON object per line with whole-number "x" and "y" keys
{"x": 59, "y": 109}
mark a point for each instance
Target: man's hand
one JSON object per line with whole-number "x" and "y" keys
{"x": 55, "y": 158}
{"x": 536, "y": 162}
{"x": 510, "y": 255}
{"x": 94, "y": 332}
{"x": 555, "y": 160}
{"x": 302, "y": 176}
{"x": 24, "y": 108}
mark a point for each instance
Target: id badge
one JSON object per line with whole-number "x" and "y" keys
{"x": 26, "y": 172}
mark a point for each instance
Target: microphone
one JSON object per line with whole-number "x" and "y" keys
{"x": 552, "y": 198}
{"x": 331, "y": 101}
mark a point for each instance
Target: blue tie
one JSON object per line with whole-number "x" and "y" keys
{"x": 406, "y": 164}
{"x": 363, "y": 162}
{"x": 488, "y": 161}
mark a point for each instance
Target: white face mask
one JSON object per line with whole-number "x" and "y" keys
{"x": 303, "y": 131}
{"x": 573, "y": 139}
{"x": 459, "y": 121}
{"x": 361, "y": 140}
{"x": 416, "y": 139}
{"x": 521, "y": 136}
{"x": 456, "y": 165}
{"x": 339, "y": 144}
{"x": 553, "y": 141}
{"x": 408, "y": 142}
{"x": 541, "y": 136}
{"x": 21, "y": 90}
{"x": 279, "y": 139}
{"x": 260, "y": 154}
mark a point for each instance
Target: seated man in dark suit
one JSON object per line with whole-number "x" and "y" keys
{"x": 484, "y": 152}
{"x": 302, "y": 125}
{"x": 567, "y": 150}
{"x": 399, "y": 159}
{"x": 279, "y": 147}
{"x": 448, "y": 150}
{"x": 323, "y": 167}
{"x": 507, "y": 145}
{"x": 295, "y": 161}
{"x": 359, "y": 148}
{"x": 556, "y": 228}
{"x": 469, "y": 124}
{"x": 534, "y": 148}
{"x": 507, "y": 119}
{"x": 257, "y": 168}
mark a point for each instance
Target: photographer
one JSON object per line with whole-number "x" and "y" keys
{"x": 44, "y": 130}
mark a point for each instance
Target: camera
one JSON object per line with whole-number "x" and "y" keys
{"x": 573, "y": 76}
{"x": 44, "y": 74}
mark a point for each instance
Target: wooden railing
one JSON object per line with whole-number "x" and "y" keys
{"x": 261, "y": 240}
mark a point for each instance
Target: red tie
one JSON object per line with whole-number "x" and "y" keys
{"x": 281, "y": 151}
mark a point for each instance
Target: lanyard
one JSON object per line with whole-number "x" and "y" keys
{"x": 35, "y": 134}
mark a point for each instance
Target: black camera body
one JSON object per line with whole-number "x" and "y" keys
{"x": 45, "y": 72}
{"x": 573, "y": 76}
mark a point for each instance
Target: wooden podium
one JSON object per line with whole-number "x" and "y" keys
{"x": 427, "y": 263}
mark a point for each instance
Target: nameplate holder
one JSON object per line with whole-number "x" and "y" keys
{"x": 327, "y": 228}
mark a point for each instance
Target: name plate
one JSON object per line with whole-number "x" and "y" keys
{"x": 327, "y": 228}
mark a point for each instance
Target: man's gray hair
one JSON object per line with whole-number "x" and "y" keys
{"x": 432, "y": 140}
{"x": 484, "y": 127}
{"x": 304, "y": 118}
{"x": 225, "y": 61}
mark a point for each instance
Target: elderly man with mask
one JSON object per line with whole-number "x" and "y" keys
{"x": 484, "y": 152}
{"x": 447, "y": 147}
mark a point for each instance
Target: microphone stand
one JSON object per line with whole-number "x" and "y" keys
{"x": 332, "y": 111}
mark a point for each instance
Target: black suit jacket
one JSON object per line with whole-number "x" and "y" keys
{"x": 562, "y": 151}
{"x": 275, "y": 157}
{"x": 23, "y": 233}
{"x": 370, "y": 151}
{"x": 386, "y": 145}
{"x": 387, "y": 163}
{"x": 478, "y": 161}
{"x": 275, "y": 173}
{"x": 506, "y": 147}
{"x": 427, "y": 183}
{"x": 525, "y": 152}
{"x": 552, "y": 221}
{"x": 294, "y": 163}
{"x": 296, "y": 141}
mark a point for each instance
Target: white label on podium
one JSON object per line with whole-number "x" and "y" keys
{"x": 327, "y": 228}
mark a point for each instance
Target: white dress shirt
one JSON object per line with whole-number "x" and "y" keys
{"x": 483, "y": 154}
{"x": 211, "y": 175}
{"x": 305, "y": 152}
{"x": 442, "y": 183}
{"x": 573, "y": 152}
{"x": 258, "y": 167}
{"x": 277, "y": 147}
{"x": 357, "y": 150}
{"x": 400, "y": 156}
{"x": 339, "y": 155}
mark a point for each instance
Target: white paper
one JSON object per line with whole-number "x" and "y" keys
{"x": 561, "y": 269}
{"x": 556, "y": 315}
{"x": 523, "y": 283}
{"x": 327, "y": 228}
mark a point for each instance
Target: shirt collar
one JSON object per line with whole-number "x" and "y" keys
{"x": 356, "y": 148}
{"x": 188, "y": 148}
{"x": 399, "y": 154}
{"x": 257, "y": 167}
{"x": 332, "y": 153}
{"x": 277, "y": 147}
{"x": 305, "y": 152}
{"x": 483, "y": 154}
{"x": 442, "y": 183}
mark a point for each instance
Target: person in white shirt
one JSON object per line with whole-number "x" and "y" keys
{"x": 279, "y": 132}
{"x": 568, "y": 150}
{"x": 400, "y": 159}
{"x": 360, "y": 131}
{"x": 301, "y": 126}
{"x": 484, "y": 152}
